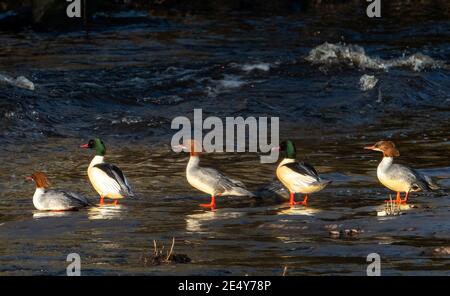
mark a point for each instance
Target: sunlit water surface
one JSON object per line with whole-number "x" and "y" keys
{"x": 126, "y": 83}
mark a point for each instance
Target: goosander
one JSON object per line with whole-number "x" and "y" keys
{"x": 398, "y": 177}
{"x": 45, "y": 199}
{"x": 210, "y": 180}
{"x": 298, "y": 177}
{"x": 107, "y": 179}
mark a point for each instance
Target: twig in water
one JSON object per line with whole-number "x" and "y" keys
{"x": 158, "y": 257}
{"x": 171, "y": 249}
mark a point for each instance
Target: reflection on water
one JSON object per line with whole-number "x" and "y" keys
{"x": 106, "y": 212}
{"x": 199, "y": 222}
{"x": 46, "y": 214}
{"x": 299, "y": 210}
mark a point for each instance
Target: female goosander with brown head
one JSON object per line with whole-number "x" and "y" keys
{"x": 210, "y": 180}
{"x": 398, "y": 177}
{"x": 45, "y": 199}
{"x": 298, "y": 177}
{"x": 107, "y": 179}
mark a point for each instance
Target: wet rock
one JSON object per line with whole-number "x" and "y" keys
{"x": 345, "y": 232}
{"x": 332, "y": 226}
{"x": 442, "y": 251}
{"x": 335, "y": 233}
{"x": 355, "y": 231}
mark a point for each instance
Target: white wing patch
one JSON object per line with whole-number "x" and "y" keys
{"x": 103, "y": 183}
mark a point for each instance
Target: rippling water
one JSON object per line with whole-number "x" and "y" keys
{"x": 125, "y": 84}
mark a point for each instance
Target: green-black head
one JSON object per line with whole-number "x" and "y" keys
{"x": 288, "y": 149}
{"x": 96, "y": 144}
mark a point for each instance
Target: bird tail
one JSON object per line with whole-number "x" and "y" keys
{"x": 324, "y": 182}
{"x": 238, "y": 191}
{"x": 131, "y": 194}
{"x": 91, "y": 203}
{"x": 274, "y": 188}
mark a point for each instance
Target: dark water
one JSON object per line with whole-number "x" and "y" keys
{"x": 126, "y": 83}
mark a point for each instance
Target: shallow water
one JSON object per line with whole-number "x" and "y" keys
{"x": 126, "y": 83}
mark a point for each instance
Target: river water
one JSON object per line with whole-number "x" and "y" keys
{"x": 126, "y": 82}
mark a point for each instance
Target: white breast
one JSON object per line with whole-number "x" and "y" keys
{"x": 398, "y": 185}
{"x": 38, "y": 199}
{"x": 194, "y": 178}
{"x": 294, "y": 181}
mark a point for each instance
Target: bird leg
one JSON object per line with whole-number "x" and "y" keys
{"x": 405, "y": 201}
{"x": 102, "y": 201}
{"x": 398, "y": 199}
{"x": 305, "y": 200}
{"x": 211, "y": 205}
{"x": 292, "y": 201}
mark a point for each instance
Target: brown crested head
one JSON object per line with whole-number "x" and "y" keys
{"x": 387, "y": 147}
{"x": 40, "y": 179}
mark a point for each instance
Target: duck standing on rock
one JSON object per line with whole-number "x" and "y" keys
{"x": 398, "y": 177}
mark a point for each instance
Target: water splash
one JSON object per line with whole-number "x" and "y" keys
{"x": 20, "y": 81}
{"x": 367, "y": 82}
{"x": 256, "y": 66}
{"x": 354, "y": 55}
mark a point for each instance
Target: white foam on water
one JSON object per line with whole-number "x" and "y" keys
{"x": 367, "y": 82}
{"x": 256, "y": 66}
{"x": 20, "y": 81}
{"x": 231, "y": 81}
{"x": 354, "y": 55}
{"x": 163, "y": 100}
{"x": 127, "y": 120}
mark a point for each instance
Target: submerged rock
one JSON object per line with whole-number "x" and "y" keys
{"x": 442, "y": 250}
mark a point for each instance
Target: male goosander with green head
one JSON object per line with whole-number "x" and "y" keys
{"x": 398, "y": 177}
{"x": 298, "y": 177}
{"x": 107, "y": 179}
